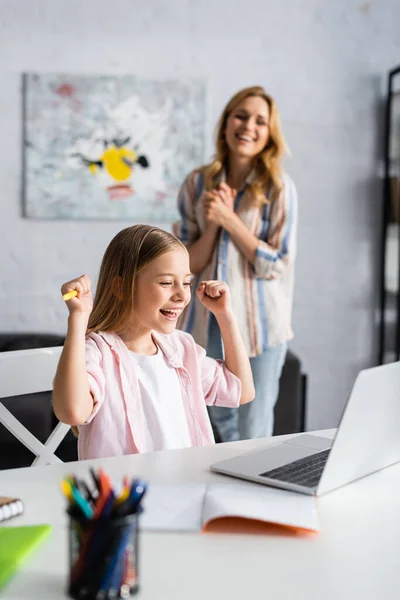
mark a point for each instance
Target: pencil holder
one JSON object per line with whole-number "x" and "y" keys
{"x": 103, "y": 557}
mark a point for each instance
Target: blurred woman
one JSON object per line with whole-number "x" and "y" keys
{"x": 238, "y": 222}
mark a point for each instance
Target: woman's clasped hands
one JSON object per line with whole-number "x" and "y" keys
{"x": 218, "y": 205}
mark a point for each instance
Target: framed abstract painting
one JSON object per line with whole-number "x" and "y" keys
{"x": 109, "y": 147}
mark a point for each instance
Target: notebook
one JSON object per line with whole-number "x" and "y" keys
{"x": 16, "y": 543}
{"x": 227, "y": 508}
{"x": 10, "y": 507}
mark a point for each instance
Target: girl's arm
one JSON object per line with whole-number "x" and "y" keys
{"x": 215, "y": 296}
{"x": 236, "y": 358}
{"x": 72, "y": 400}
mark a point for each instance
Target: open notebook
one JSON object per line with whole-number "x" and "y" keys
{"x": 227, "y": 508}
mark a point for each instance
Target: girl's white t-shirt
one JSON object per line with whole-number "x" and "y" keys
{"x": 161, "y": 398}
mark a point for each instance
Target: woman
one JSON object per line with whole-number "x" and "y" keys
{"x": 238, "y": 221}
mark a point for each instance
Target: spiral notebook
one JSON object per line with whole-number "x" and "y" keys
{"x": 10, "y": 507}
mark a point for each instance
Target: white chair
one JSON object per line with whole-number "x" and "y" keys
{"x": 28, "y": 372}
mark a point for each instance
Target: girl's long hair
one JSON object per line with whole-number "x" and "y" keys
{"x": 128, "y": 253}
{"x": 267, "y": 182}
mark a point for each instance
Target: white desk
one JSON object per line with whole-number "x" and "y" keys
{"x": 356, "y": 555}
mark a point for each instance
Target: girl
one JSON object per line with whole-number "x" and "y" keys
{"x": 239, "y": 217}
{"x": 126, "y": 377}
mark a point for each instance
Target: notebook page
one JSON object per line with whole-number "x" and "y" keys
{"x": 173, "y": 507}
{"x": 266, "y": 504}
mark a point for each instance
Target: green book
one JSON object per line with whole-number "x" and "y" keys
{"x": 16, "y": 543}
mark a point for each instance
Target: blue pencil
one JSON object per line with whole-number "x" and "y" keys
{"x": 113, "y": 577}
{"x": 132, "y": 503}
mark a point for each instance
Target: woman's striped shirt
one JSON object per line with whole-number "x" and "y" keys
{"x": 262, "y": 292}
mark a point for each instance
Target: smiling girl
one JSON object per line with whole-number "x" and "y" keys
{"x": 126, "y": 377}
{"x": 238, "y": 221}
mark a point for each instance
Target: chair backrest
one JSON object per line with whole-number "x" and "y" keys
{"x": 28, "y": 372}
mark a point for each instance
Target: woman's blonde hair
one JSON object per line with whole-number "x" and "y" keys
{"x": 128, "y": 253}
{"x": 267, "y": 182}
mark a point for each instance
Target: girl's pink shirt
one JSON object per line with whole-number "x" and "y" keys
{"x": 117, "y": 423}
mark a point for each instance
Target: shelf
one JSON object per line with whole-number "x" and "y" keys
{"x": 389, "y": 311}
{"x": 392, "y": 258}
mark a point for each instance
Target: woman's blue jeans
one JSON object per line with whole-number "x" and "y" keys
{"x": 255, "y": 419}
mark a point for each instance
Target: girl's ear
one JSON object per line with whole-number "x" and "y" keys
{"x": 117, "y": 288}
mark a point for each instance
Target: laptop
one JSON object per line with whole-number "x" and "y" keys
{"x": 367, "y": 440}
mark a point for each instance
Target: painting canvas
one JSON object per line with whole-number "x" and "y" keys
{"x": 107, "y": 147}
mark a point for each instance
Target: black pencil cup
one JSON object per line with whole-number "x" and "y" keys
{"x": 103, "y": 558}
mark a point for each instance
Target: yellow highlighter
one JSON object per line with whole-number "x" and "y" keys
{"x": 123, "y": 496}
{"x": 67, "y": 490}
{"x": 69, "y": 295}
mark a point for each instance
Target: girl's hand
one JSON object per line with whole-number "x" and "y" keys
{"x": 83, "y": 302}
{"x": 215, "y": 296}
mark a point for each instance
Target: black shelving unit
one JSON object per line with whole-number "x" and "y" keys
{"x": 389, "y": 315}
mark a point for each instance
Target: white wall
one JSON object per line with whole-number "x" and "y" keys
{"x": 325, "y": 63}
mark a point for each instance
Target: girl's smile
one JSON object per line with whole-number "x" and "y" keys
{"x": 172, "y": 314}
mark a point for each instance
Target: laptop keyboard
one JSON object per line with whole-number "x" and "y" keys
{"x": 305, "y": 471}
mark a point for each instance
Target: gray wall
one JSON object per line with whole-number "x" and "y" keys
{"x": 325, "y": 63}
